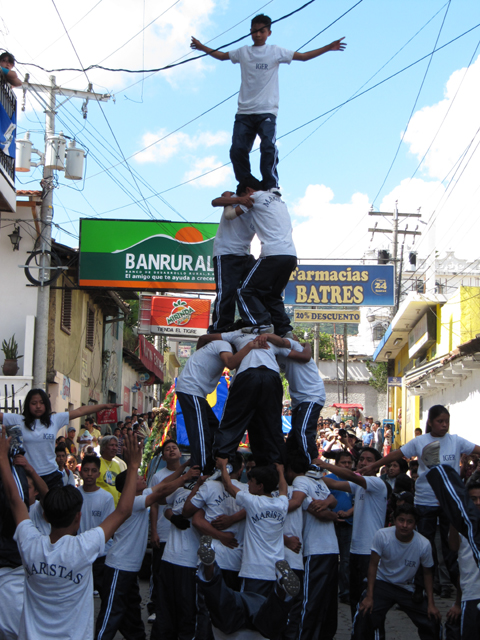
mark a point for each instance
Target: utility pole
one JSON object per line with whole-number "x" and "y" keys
{"x": 395, "y": 231}
{"x": 43, "y": 296}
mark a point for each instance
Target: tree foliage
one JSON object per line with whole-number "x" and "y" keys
{"x": 379, "y": 371}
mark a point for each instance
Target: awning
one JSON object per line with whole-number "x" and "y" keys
{"x": 347, "y": 406}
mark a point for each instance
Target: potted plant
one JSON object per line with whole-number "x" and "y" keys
{"x": 10, "y": 350}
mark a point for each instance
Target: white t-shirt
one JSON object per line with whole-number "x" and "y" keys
{"x": 319, "y": 537}
{"x": 370, "y": 511}
{"x": 214, "y": 499}
{"x": 68, "y": 478}
{"x": 259, "y": 91}
{"x": 182, "y": 544}
{"x": 400, "y": 561}
{"x": 58, "y": 582}
{"x": 293, "y": 527}
{"x": 233, "y": 237}
{"x": 273, "y": 224}
{"x": 130, "y": 539}
{"x": 469, "y": 573}
{"x": 37, "y": 517}
{"x": 263, "y": 545}
{"x": 337, "y": 418}
{"x": 304, "y": 381}
{"x": 39, "y": 443}
{"x": 256, "y": 357}
{"x": 203, "y": 369}
{"x": 451, "y": 449}
{"x": 163, "y": 525}
{"x": 97, "y": 505}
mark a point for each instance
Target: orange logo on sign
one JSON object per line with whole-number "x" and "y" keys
{"x": 181, "y": 312}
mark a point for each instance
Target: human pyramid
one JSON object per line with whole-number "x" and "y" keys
{"x": 241, "y": 560}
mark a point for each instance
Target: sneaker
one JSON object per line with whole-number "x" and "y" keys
{"x": 152, "y": 617}
{"x": 276, "y": 191}
{"x": 205, "y": 551}
{"x": 259, "y": 328}
{"x": 216, "y": 475}
{"x": 96, "y": 594}
{"x": 431, "y": 454}
{"x": 315, "y": 472}
{"x": 287, "y": 579}
{"x": 190, "y": 484}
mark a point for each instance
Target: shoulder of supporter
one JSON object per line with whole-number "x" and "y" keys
{"x": 12, "y": 419}
{"x": 375, "y": 484}
{"x": 380, "y": 539}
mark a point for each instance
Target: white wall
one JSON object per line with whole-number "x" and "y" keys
{"x": 462, "y": 399}
{"x": 19, "y": 300}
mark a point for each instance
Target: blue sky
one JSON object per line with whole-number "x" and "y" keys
{"x": 331, "y": 171}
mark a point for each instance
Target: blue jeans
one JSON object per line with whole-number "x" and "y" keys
{"x": 245, "y": 130}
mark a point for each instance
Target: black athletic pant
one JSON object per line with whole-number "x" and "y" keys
{"x": 176, "y": 604}
{"x": 201, "y": 425}
{"x": 470, "y": 620}
{"x": 231, "y": 611}
{"x": 230, "y": 271}
{"x": 318, "y": 619}
{"x": 303, "y": 434}
{"x": 152, "y": 605}
{"x": 98, "y": 570}
{"x": 358, "y": 577}
{"x": 254, "y": 403}
{"x": 455, "y": 501}
{"x": 120, "y": 610}
{"x": 385, "y": 596}
{"x": 293, "y": 624}
{"x": 260, "y": 299}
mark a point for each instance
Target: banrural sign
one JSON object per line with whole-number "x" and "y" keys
{"x": 144, "y": 254}
{"x": 331, "y": 285}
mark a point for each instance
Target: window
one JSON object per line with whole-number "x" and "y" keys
{"x": 90, "y": 329}
{"x": 66, "y": 314}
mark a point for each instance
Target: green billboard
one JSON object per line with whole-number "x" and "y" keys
{"x": 146, "y": 254}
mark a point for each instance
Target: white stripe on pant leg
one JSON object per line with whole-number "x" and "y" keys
{"x": 18, "y": 483}
{"x": 201, "y": 434}
{"x": 453, "y": 493}
{"x": 304, "y": 429}
{"x": 275, "y": 155}
{"x": 219, "y": 291}
{"x": 462, "y": 617}
{"x": 239, "y": 291}
{"x": 306, "y": 580}
{"x": 111, "y": 597}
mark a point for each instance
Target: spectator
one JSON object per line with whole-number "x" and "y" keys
{"x": 418, "y": 432}
{"x": 377, "y": 436}
{"x": 109, "y": 469}
{"x": 7, "y": 62}
{"x": 70, "y": 441}
{"x": 394, "y": 469}
{"x": 367, "y": 436}
{"x": 61, "y": 459}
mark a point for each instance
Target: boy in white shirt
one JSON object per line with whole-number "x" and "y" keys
{"x": 259, "y": 96}
{"x": 263, "y": 545}
{"x": 468, "y": 595}
{"x": 370, "y": 494}
{"x": 232, "y": 261}
{"x": 397, "y": 554}
{"x": 211, "y": 503}
{"x": 318, "y": 618}
{"x": 58, "y": 567}
{"x": 98, "y": 504}
{"x": 120, "y": 610}
{"x": 61, "y": 460}
{"x": 198, "y": 379}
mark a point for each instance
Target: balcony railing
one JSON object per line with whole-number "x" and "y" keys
{"x": 9, "y": 103}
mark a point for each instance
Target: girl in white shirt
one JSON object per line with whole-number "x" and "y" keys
{"x": 39, "y": 428}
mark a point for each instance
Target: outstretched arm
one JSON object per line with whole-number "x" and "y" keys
{"x": 169, "y": 486}
{"x": 17, "y": 505}
{"x": 346, "y": 474}
{"x": 229, "y": 486}
{"x": 336, "y": 45}
{"x": 90, "y": 408}
{"x": 218, "y": 55}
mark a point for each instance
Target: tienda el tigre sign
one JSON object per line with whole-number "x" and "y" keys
{"x": 146, "y": 254}
{"x": 330, "y": 285}
{"x": 179, "y": 316}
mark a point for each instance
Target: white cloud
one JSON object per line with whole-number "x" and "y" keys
{"x": 177, "y": 143}
{"x": 330, "y": 228}
{"x": 213, "y": 179}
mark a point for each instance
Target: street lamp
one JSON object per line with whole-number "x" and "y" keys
{"x": 15, "y": 238}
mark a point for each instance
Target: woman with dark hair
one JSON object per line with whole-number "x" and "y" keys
{"x": 394, "y": 469}
{"x": 451, "y": 447}
{"x": 39, "y": 428}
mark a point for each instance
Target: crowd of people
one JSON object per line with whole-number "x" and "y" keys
{"x": 266, "y": 546}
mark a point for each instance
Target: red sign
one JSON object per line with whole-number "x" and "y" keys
{"x": 126, "y": 399}
{"x": 150, "y": 357}
{"x": 107, "y": 416}
{"x": 179, "y": 316}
